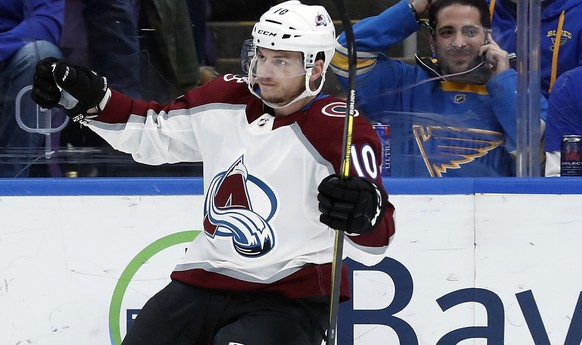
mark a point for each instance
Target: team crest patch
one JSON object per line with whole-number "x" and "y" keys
{"x": 566, "y": 35}
{"x": 460, "y": 98}
{"x": 230, "y": 214}
{"x": 337, "y": 109}
{"x": 445, "y": 148}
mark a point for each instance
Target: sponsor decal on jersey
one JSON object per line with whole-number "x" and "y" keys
{"x": 445, "y": 148}
{"x": 229, "y": 212}
{"x": 337, "y": 109}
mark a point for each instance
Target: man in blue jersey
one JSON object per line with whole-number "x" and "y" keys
{"x": 564, "y": 116}
{"x": 450, "y": 116}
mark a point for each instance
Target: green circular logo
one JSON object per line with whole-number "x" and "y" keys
{"x": 130, "y": 271}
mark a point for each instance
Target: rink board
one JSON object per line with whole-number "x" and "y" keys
{"x": 475, "y": 261}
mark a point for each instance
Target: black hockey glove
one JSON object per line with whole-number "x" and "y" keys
{"x": 45, "y": 91}
{"x": 80, "y": 88}
{"x": 355, "y": 205}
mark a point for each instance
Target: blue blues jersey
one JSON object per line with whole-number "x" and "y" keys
{"x": 556, "y": 55}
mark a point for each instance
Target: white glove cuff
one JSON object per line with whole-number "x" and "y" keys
{"x": 104, "y": 100}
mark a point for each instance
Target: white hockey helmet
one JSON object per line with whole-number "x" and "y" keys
{"x": 293, "y": 26}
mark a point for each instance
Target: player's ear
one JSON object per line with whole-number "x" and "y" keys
{"x": 432, "y": 44}
{"x": 317, "y": 70}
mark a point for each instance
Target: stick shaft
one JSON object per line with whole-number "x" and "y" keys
{"x": 345, "y": 171}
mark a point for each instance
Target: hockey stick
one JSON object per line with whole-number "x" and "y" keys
{"x": 345, "y": 170}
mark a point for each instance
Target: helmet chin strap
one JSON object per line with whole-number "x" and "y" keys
{"x": 306, "y": 93}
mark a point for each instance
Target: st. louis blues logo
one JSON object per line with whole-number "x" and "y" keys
{"x": 444, "y": 148}
{"x": 229, "y": 212}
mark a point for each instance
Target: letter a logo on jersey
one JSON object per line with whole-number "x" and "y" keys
{"x": 229, "y": 212}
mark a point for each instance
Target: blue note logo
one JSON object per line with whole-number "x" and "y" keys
{"x": 445, "y": 148}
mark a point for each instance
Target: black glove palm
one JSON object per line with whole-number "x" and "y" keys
{"x": 354, "y": 205}
{"x": 82, "y": 89}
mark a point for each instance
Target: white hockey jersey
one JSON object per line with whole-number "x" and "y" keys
{"x": 261, "y": 219}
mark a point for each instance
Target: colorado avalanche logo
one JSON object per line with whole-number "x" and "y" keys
{"x": 229, "y": 212}
{"x": 320, "y": 20}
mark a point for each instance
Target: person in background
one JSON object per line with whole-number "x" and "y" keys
{"x": 272, "y": 145}
{"x": 104, "y": 36}
{"x": 450, "y": 116}
{"x": 199, "y": 11}
{"x": 171, "y": 63}
{"x": 233, "y": 10}
{"x": 30, "y": 31}
{"x": 155, "y": 60}
{"x": 561, "y": 35}
{"x": 564, "y": 117}
{"x": 113, "y": 46}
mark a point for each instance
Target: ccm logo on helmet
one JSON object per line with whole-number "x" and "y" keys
{"x": 266, "y": 33}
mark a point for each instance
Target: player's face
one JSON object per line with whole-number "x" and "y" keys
{"x": 280, "y": 75}
{"x": 458, "y": 37}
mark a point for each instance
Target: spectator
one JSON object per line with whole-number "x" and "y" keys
{"x": 233, "y": 10}
{"x": 160, "y": 64}
{"x": 269, "y": 142}
{"x": 558, "y": 19}
{"x": 564, "y": 116}
{"x": 29, "y": 31}
{"x": 198, "y": 11}
{"x": 113, "y": 43}
{"x": 451, "y": 116}
{"x": 103, "y": 35}
{"x": 171, "y": 65}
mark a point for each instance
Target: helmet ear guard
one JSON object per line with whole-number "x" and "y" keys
{"x": 293, "y": 26}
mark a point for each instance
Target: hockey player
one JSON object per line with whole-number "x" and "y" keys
{"x": 454, "y": 116}
{"x": 260, "y": 273}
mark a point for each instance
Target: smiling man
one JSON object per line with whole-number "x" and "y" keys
{"x": 461, "y": 40}
{"x": 452, "y": 115}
